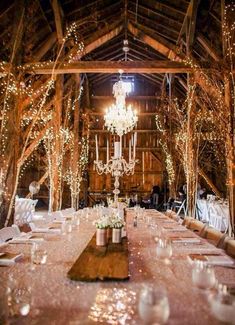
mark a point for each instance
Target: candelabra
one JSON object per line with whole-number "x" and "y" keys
{"x": 117, "y": 166}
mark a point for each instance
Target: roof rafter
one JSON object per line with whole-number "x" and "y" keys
{"x": 160, "y": 45}
{"x": 58, "y": 13}
{"x": 97, "y": 40}
{"x": 208, "y": 47}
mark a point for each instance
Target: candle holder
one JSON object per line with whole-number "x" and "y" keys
{"x": 117, "y": 166}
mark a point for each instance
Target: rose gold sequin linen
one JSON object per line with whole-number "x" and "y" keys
{"x": 58, "y": 300}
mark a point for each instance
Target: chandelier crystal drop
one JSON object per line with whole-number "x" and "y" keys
{"x": 119, "y": 118}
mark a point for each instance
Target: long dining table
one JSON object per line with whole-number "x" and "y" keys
{"x": 58, "y": 300}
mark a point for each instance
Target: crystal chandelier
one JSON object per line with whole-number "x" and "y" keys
{"x": 119, "y": 118}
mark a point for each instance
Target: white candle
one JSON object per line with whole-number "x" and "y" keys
{"x": 96, "y": 147}
{"x": 143, "y": 166}
{"x": 132, "y": 142}
{"x": 107, "y": 150}
{"x": 116, "y": 149}
{"x": 135, "y": 141}
{"x": 129, "y": 150}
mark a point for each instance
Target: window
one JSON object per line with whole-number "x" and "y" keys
{"x": 129, "y": 86}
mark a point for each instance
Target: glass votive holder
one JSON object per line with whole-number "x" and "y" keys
{"x": 164, "y": 248}
{"x": 203, "y": 275}
{"x": 153, "y": 305}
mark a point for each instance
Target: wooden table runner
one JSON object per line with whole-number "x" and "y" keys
{"x": 98, "y": 263}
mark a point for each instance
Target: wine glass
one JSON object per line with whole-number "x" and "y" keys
{"x": 18, "y": 296}
{"x": 153, "y": 305}
{"x": 203, "y": 275}
{"x": 222, "y": 305}
{"x": 157, "y": 233}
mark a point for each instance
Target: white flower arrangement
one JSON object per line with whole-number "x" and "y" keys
{"x": 102, "y": 223}
{"x": 116, "y": 222}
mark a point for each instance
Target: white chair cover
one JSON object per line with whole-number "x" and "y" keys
{"x": 24, "y": 210}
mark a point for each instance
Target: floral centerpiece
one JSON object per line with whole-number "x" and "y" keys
{"x": 102, "y": 224}
{"x": 116, "y": 223}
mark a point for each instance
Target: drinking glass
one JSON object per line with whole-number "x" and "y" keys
{"x": 203, "y": 275}
{"x": 76, "y": 221}
{"x": 38, "y": 254}
{"x": 153, "y": 305}
{"x": 69, "y": 226}
{"x": 164, "y": 249}
{"x": 66, "y": 227}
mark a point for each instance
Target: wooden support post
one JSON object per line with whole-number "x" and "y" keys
{"x": 11, "y": 152}
{"x": 56, "y": 182}
{"x": 230, "y": 143}
{"x": 75, "y": 157}
{"x": 230, "y": 155}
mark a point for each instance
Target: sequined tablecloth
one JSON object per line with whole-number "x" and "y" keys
{"x": 58, "y": 300}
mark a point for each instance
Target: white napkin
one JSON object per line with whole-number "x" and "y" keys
{"x": 220, "y": 260}
{"x": 22, "y": 240}
{"x": 11, "y": 260}
{"x": 175, "y": 229}
{"x": 186, "y": 240}
{"x": 168, "y": 221}
{"x": 36, "y": 229}
{"x": 3, "y": 245}
{"x": 46, "y": 231}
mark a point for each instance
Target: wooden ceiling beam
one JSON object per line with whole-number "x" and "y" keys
{"x": 160, "y": 45}
{"x": 150, "y": 22}
{"x": 89, "y": 4}
{"x": 98, "y": 39}
{"x": 187, "y": 18}
{"x": 208, "y": 47}
{"x": 43, "y": 48}
{"x": 92, "y": 45}
{"x": 170, "y": 7}
{"x": 58, "y": 13}
{"x": 192, "y": 17}
{"x": 156, "y": 12}
{"x": 147, "y": 67}
{"x": 44, "y": 16}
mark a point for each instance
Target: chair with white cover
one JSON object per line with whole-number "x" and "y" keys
{"x": 172, "y": 214}
{"x": 198, "y": 227}
{"x": 230, "y": 247}
{"x": 187, "y": 221}
{"x": 214, "y": 236}
{"x": 9, "y": 233}
{"x": 24, "y": 210}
